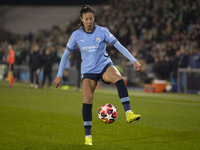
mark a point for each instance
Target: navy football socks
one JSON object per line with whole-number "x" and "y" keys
{"x": 123, "y": 94}
{"x": 87, "y": 118}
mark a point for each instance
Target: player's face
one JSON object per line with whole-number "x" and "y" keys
{"x": 88, "y": 21}
{"x": 9, "y": 47}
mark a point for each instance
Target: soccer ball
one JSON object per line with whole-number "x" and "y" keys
{"x": 107, "y": 113}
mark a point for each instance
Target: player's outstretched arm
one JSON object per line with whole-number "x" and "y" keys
{"x": 128, "y": 55}
{"x": 124, "y": 51}
{"x": 58, "y": 79}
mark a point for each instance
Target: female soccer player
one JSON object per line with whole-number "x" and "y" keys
{"x": 96, "y": 65}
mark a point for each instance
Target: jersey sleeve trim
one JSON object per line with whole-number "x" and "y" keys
{"x": 113, "y": 42}
{"x": 67, "y": 48}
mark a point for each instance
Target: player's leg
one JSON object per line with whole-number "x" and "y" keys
{"x": 44, "y": 78}
{"x": 113, "y": 75}
{"x": 12, "y": 79}
{"x": 50, "y": 80}
{"x": 37, "y": 78}
{"x": 88, "y": 92}
{"x": 31, "y": 77}
{"x": 12, "y": 76}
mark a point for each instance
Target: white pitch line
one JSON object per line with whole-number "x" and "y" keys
{"x": 171, "y": 102}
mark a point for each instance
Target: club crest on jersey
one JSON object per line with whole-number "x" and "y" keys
{"x": 98, "y": 39}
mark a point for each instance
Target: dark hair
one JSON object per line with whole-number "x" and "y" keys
{"x": 85, "y": 9}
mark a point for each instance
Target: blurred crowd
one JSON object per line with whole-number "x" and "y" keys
{"x": 165, "y": 35}
{"x": 39, "y": 51}
{"x": 162, "y": 35}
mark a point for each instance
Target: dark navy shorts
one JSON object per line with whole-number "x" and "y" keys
{"x": 97, "y": 76}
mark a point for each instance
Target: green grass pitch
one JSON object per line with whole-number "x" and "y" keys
{"x": 51, "y": 119}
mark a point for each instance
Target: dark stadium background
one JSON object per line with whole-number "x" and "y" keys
{"x": 53, "y": 2}
{"x": 156, "y": 28}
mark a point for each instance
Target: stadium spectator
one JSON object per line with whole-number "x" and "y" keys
{"x": 47, "y": 62}
{"x": 194, "y": 59}
{"x": 183, "y": 58}
{"x": 1, "y": 55}
{"x": 35, "y": 64}
{"x": 18, "y": 62}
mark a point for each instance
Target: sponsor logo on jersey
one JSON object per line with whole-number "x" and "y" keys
{"x": 82, "y": 40}
{"x": 90, "y": 47}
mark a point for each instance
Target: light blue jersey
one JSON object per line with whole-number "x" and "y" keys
{"x": 92, "y": 47}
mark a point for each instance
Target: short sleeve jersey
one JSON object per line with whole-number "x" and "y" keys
{"x": 92, "y": 47}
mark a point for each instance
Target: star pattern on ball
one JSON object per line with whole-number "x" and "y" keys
{"x": 109, "y": 117}
{"x": 107, "y": 113}
{"x": 104, "y": 108}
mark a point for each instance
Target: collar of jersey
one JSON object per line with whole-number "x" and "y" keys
{"x": 89, "y": 32}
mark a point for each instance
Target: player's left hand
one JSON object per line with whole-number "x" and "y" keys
{"x": 137, "y": 66}
{"x": 57, "y": 81}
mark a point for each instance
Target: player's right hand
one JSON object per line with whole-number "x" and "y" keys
{"x": 57, "y": 81}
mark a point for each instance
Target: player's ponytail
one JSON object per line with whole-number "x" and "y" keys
{"x": 85, "y": 9}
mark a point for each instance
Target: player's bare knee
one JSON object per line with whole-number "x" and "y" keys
{"x": 88, "y": 99}
{"x": 117, "y": 78}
